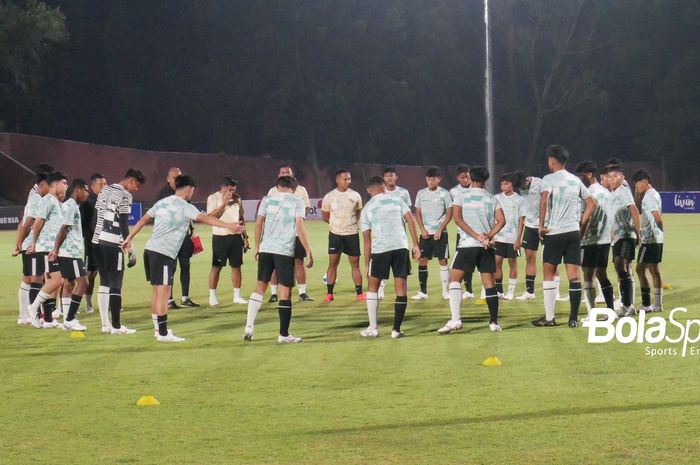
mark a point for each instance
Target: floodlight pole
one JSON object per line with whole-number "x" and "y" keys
{"x": 488, "y": 104}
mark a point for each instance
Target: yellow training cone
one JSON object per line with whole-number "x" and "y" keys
{"x": 77, "y": 335}
{"x": 491, "y": 362}
{"x": 480, "y": 301}
{"x": 147, "y": 401}
{"x": 667, "y": 286}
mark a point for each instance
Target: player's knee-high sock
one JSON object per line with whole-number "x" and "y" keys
{"x": 372, "y": 304}
{"x": 549, "y": 292}
{"x": 492, "y": 302}
{"x": 512, "y": 283}
{"x": 444, "y": 277}
{"x": 658, "y": 297}
{"x": 154, "y": 319}
{"x": 423, "y": 278}
{"x": 103, "y": 304}
{"x": 49, "y": 307}
{"x": 530, "y": 283}
{"x": 162, "y": 321}
{"x": 589, "y": 295}
{"x": 499, "y": 286}
{"x": 72, "y": 307}
{"x": 557, "y": 283}
{"x": 646, "y": 296}
{"x": 254, "y": 303}
{"x": 23, "y": 299}
{"x": 625, "y": 289}
{"x": 574, "y": 299}
{"x": 34, "y": 289}
{"x": 468, "y": 283}
{"x": 285, "y": 311}
{"x": 115, "y": 306}
{"x": 400, "y": 305}
{"x": 606, "y": 289}
{"x": 65, "y": 306}
{"x": 455, "y": 294}
{"x": 40, "y": 298}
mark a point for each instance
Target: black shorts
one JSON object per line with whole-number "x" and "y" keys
{"x": 650, "y": 253}
{"x": 226, "y": 249}
{"x": 624, "y": 248}
{"x": 595, "y": 255}
{"x": 91, "y": 256}
{"x": 347, "y": 244}
{"x": 430, "y": 248}
{"x": 397, "y": 261}
{"x": 505, "y": 250}
{"x": 111, "y": 266}
{"x": 468, "y": 258}
{"x": 531, "y": 238}
{"x": 299, "y": 251}
{"x": 71, "y": 268}
{"x": 282, "y": 264}
{"x": 159, "y": 268}
{"x": 564, "y": 246}
{"x": 31, "y": 265}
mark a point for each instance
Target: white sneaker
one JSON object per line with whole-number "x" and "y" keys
{"x": 626, "y": 311}
{"x": 445, "y": 296}
{"x": 248, "y": 333}
{"x": 656, "y": 308}
{"x": 239, "y": 300}
{"x": 419, "y": 296}
{"x": 24, "y": 321}
{"x": 645, "y": 308}
{"x": 599, "y": 299}
{"x": 73, "y": 325}
{"x": 617, "y": 304}
{"x": 288, "y": 339}
{"x": 37, "y": 322}
{"x": 106, "y": 330}
{"x": 369, "y": 332}
{"x": 213, "y": 302}
{"x": 397, "y": 334}
{"x": 52, "y": 324}
{"x": 450, "y": 326}
{"x": 482, "y": 296}
{"x": 169, "y": 338}
{"x": 468, "y": 295}
{"x": 56, "y": 313}
{"x": 526, "y": 296}
{"x": 495, "y": 328}
{"x": 508, "y": 296}
{"x": 123, "y": 330}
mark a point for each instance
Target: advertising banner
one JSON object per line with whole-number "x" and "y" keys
{"x": 10, "y": 217}
{"x": 680, "y": 202}
{"x": 135, "y": 214}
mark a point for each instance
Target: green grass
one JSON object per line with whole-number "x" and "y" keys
{"x": 336, "y": 398}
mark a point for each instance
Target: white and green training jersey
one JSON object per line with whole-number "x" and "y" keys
{"x": 400, "y": 193}
{"x": 280, "y": 211}
{"x": 171, "y": 221}
{"x": 30, "y": 211}
{"x": 564, "y": 206}
{"x": 51, "y": 211}
{"x": 600, "y": 223}
{"x": 531, "y": 201}
{"x": 623, "y": 227}
{"x": 513, "y": 209}
{"x": 383, "y": 215}
{"x": 433, "y": 207}
{"x": 73, "y": 245}
{"x": 651, "y": 233}
{"x": 478, "y": 211}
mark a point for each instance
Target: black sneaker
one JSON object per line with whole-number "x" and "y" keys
{"x": 172, "y": 305}
{"x": 544, "y": 322}
{"x": 573, "y": 323}
{"x": 305, "y": 298}
{"x": 273, "y": 299}
{"x": 189, "y": 303}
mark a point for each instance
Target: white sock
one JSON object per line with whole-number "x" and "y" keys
{"x": 549, "y": 291}
{"x": 455, "y": 294}
{"x": 88, "y": 300}
{"x": 589, "y": 294}
{"x": 372, "y": 304}
{"x": 40, "y": 299}
{"x": 512, "y": 282}
{"x": 273, "y": 288}
{"x": 212, "y": 294}
{"x": 483, "y": 293}
{"x": 444, "y": 276}
{"x": 154, "y": 318}
{"x": 65, "y": 305}
{"x": 23, "y": 298}
{"x": 254, "y": 303}
{"x": 658, "y": 296}
{"x": 103, "y": 304}
{"x": 557, "y": 282}
{"x": 236, "y": 293}
{"x": 184, "y": 298}
{"x": 302, "y": 289}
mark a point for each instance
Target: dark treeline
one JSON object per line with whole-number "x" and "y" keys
{"x": 390, "y": 81}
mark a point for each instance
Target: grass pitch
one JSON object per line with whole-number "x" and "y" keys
{"x": 337, "y": 398}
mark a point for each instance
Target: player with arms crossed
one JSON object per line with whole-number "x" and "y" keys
{"x": 463, "y": 183}
{"x": 508, "y": 239}
{"x": 560, "y": 204}
{"x": 172, "y": 217}
{"x": 479, "y": 217}
{"x": 279, "y": 223}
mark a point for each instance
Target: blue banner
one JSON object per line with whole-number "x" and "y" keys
{"x": 135, "y": 214}
{"x": 680, "y": 202}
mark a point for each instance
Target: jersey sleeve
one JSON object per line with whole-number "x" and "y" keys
{"x": 405, "y": 208}
{"x": 419, "y": 199}
{"x": 42, "y": 210}
{"x": 364, "y": 221}
{"x": 211, "y": 203}
{"x": 125, "y": 204}
{"x": 627, "y": 198}
{"x": 546, "y": 185}
{"x": 447, "y": 200}
{"x": 497, "y": 204}
{"x": 326, "y": 203}
{"x": 655, "y": 202}
{"x": 263, "y": 206}
{"x": 456, "y": 199}
{"x": 300, "y": 210}
{"x": 152, "y": 211}
{"x": 522, "y": 209}
{"x": 358, "y": 198}
{"x": 407, "y": 197}
{"x": 191, "y": 212}
{"x": 68, "y": 214}
{"x": 584, "y": 193}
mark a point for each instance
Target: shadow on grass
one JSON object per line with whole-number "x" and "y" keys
{"x": 557, "y": 412}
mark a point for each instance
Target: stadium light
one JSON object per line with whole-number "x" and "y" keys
{"x": 488, "y": 104}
